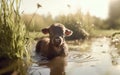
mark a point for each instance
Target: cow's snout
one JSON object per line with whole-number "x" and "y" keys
{"x": 57, "y": 41}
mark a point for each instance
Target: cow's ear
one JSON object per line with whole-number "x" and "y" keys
{"x": 68, "y": 32}
{"x": 45, "y": 30}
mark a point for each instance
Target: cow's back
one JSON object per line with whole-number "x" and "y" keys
{"x": 42, "y": 46}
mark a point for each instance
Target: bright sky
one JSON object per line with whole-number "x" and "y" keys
{"x": 98, "y": 8}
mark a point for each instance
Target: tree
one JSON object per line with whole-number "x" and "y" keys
{"x": 114, "y": 14}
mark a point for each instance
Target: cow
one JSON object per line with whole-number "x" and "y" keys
{"x": 55, "y": 44}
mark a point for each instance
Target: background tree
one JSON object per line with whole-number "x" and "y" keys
{"x": 114, "y": 14}
{"x": 100, "y": 23}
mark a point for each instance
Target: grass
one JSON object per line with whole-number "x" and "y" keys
{"x": 85, "y": 46}
{"x": 81, "y": 46}
{"x": 35, "y": 35}
{"x": 96, "y": 33}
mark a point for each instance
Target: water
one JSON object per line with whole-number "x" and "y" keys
{"x": 98, "y": 61}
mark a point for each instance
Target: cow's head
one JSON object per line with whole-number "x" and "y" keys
{"x": 57, "y": 32}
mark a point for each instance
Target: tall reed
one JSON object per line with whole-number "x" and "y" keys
{"x": 12, "y": 31}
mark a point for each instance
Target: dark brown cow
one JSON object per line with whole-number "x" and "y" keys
{"x": 55, "y": 45}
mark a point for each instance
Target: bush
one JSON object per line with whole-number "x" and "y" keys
{"x": 76, "y": 24}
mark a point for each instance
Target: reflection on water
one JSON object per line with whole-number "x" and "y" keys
{"x": 55, "y": 66}
{"x": 58, "y": 65}
{"x": 96, "y": 62}
{"x": 12, "y": 67}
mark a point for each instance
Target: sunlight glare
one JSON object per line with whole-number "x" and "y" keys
{"x": 97, "y": 8}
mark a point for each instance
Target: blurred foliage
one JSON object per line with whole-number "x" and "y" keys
{"x": 114, "y": 14}
{"x": 38, "y": 21}
{"x": 12, "y": 34}
{"x": 101, "y": 24}
{"x": 76, "y": 23}
{"x": 12, "y": 30}
{"x": 82, "y": 25}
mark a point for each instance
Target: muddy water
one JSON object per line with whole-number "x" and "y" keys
{"x": 96, "y": 62}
